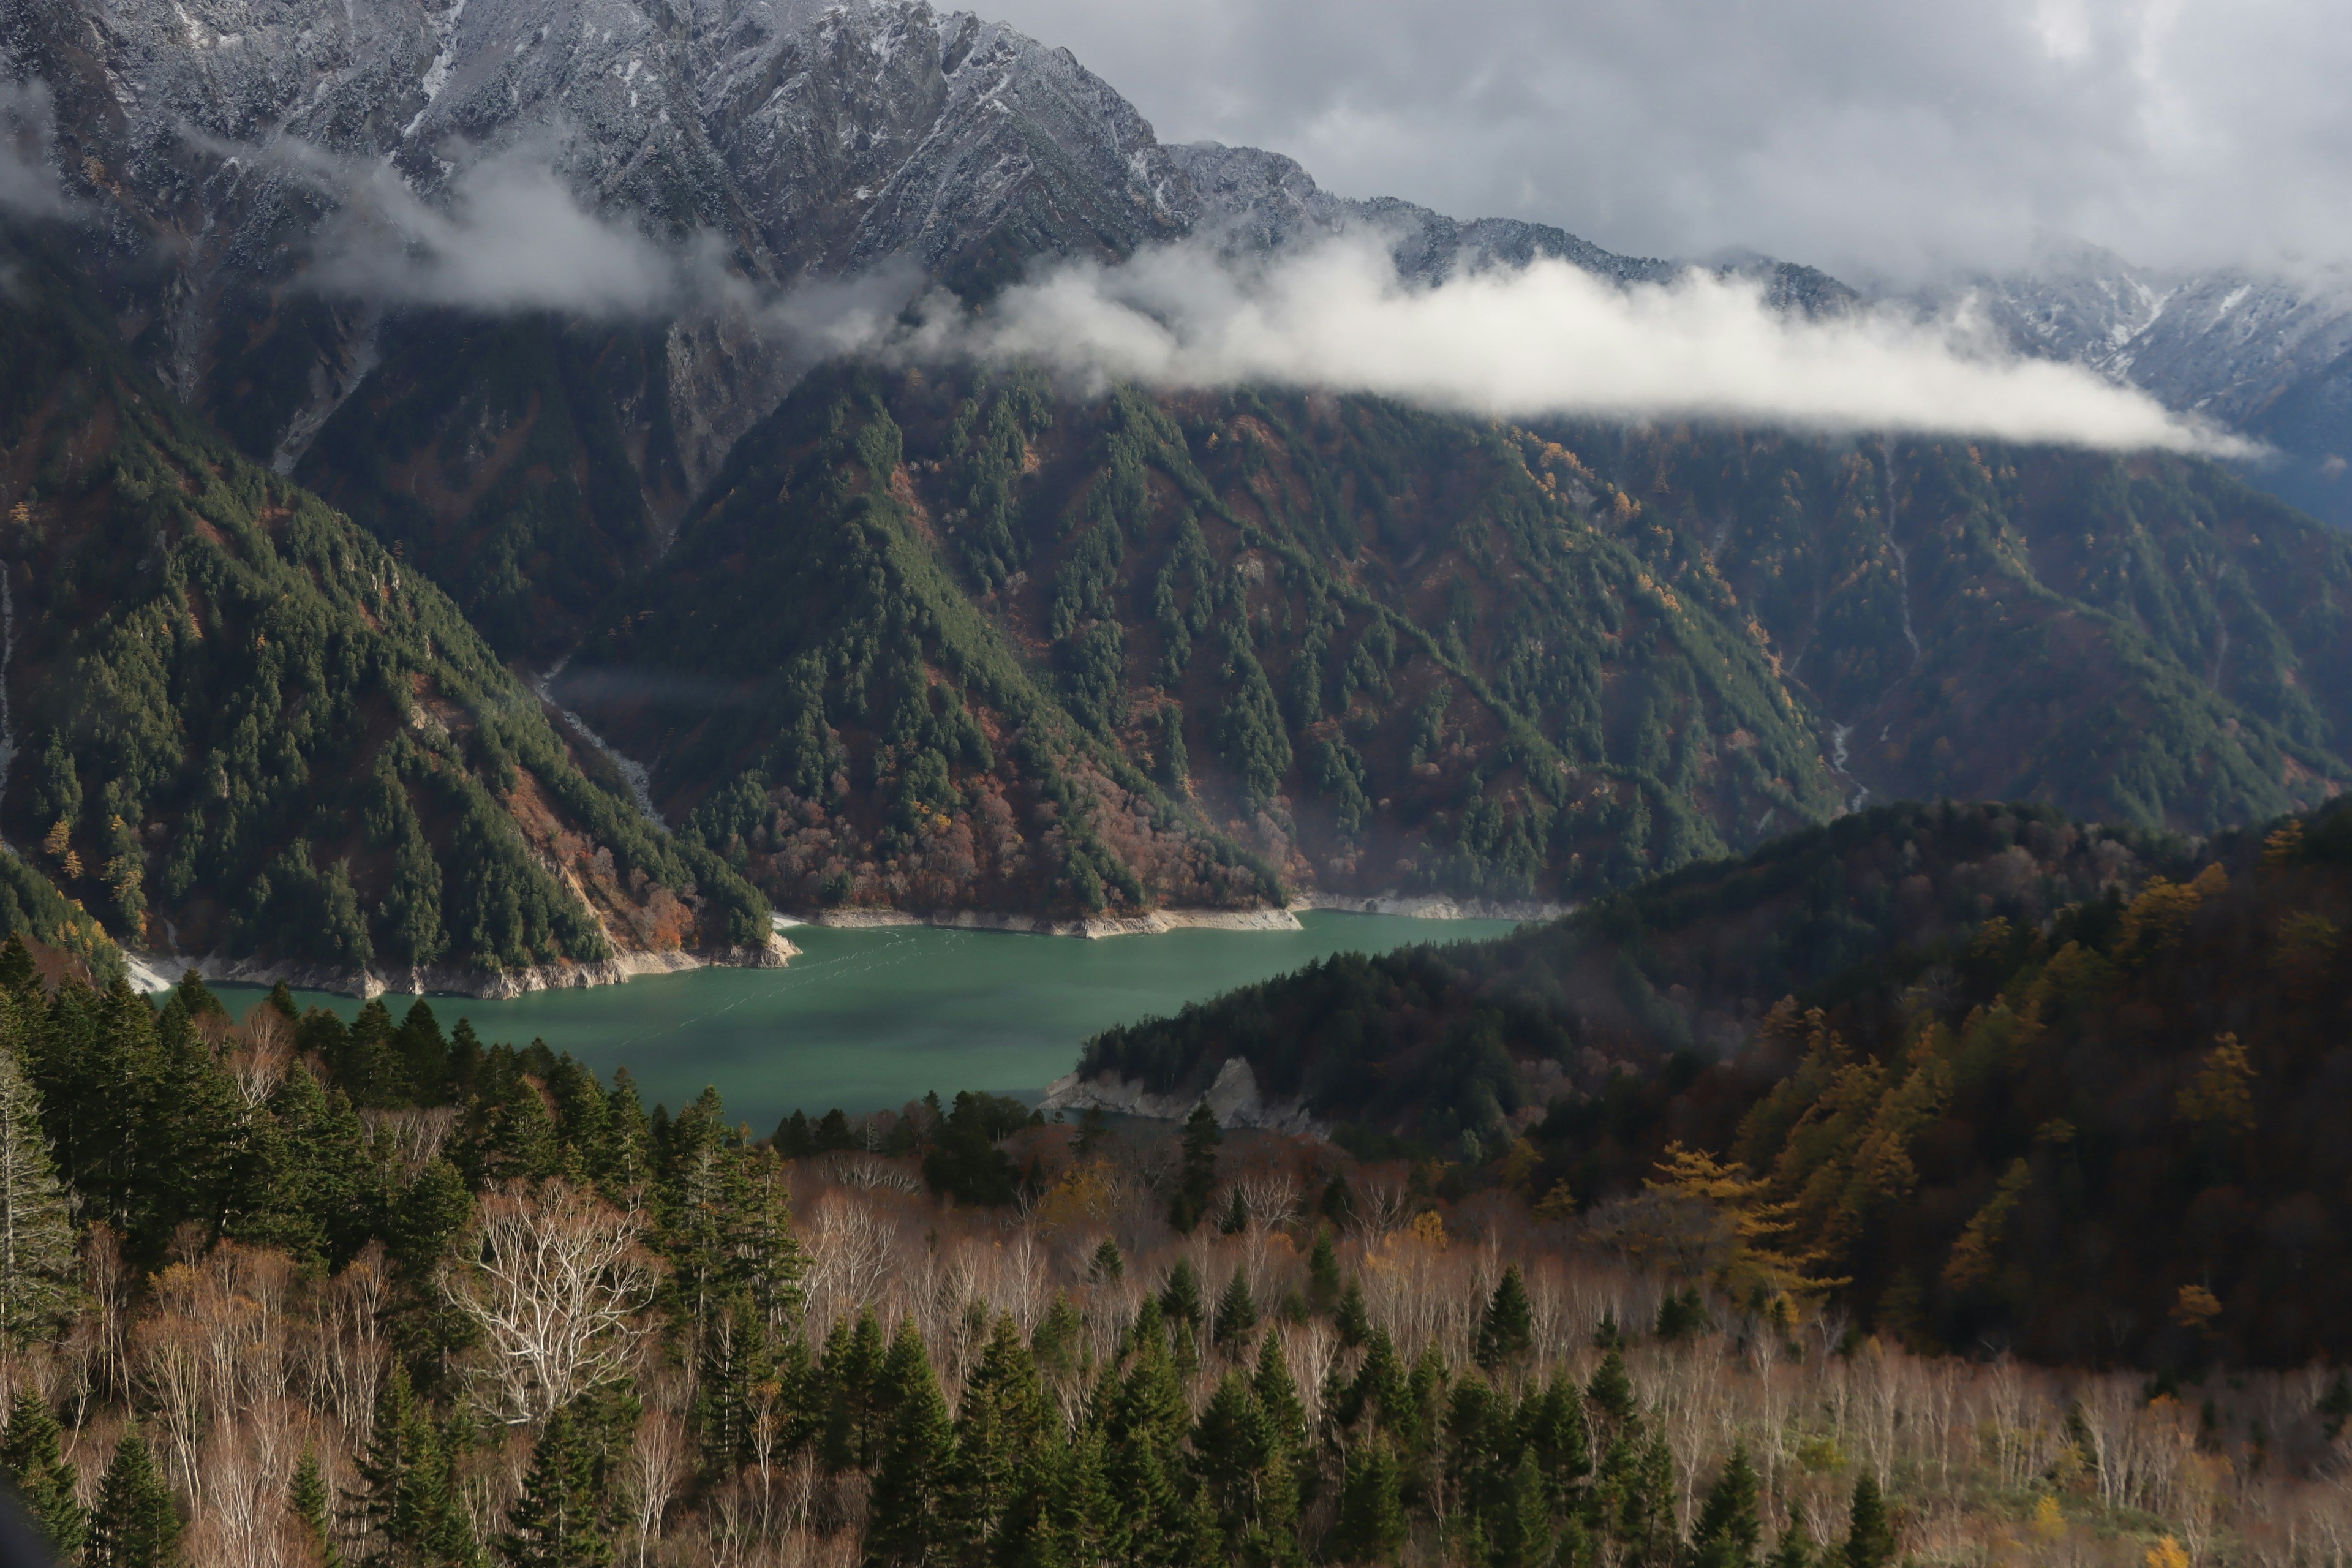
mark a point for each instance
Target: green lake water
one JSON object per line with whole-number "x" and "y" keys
{"x": 869, "y": 1019}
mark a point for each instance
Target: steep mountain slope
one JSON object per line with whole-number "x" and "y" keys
{"x": 244, "y": 727}
{"x": 1384, "y": 650}
{"x": 2040, "y": 1086}
{"x": 530, "y": 463}
{"x": 1381, "y": 648}
{"x": 2132, "y": 639}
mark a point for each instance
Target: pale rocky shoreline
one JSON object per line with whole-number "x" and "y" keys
{"x": 1157, "y": 923}
{"x": 160, "y": 972}
{"x": 1233, "y": 1098}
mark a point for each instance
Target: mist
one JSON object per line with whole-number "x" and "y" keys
{"x": 1547, "y": 339}
{"x": 1544, "y": 339}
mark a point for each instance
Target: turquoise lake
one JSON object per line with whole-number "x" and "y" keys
{"x": 869, "y": 1019}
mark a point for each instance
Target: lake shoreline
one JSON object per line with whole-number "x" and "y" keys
{"x": 1159, "y": 923}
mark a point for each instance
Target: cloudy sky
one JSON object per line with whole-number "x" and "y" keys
{"x": 1864, "y": 135}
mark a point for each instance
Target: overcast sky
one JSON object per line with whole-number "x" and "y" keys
{"x": 1891, "y": 136}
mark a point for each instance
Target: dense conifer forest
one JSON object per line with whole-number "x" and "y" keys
{"x": 245, "y": 728}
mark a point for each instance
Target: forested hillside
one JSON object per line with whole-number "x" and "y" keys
{"x": 284, "y": 1292}
{"x": 242, "y": 727}
{"x": 1371, "y": 649}
{"x": 2008, "y": 1079}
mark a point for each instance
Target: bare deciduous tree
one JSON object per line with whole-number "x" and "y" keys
{"x": 557, "y": 1282}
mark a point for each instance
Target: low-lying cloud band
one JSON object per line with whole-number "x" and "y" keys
{"x": 1546, "y": 339}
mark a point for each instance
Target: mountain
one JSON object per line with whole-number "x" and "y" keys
{"x": 2269, "y": 356}
{"x": 1370, "y": 649}
{"x": 2012, "y": 1080}
{"x": 250, "y": 731}
{"x": 1065, "y": 651}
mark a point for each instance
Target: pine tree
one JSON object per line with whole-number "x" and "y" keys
{"x": 1236, "y": 1314}
{"x": 1179, "y": 1298}
{"x": 19, "y": 975}
{"x": 1277, "y": 1393}
{"x": 1611, "y": 1392}
{"x": 1353, "y": 1319}
{"x": 1794, "y": 1549}
{"x": 849, "y": 1376}
{"x": 1322, "y": 1273}
{"x": 1055, "y": 1343}
{"x": 1197, "y": 1183}
{"x": 559, "y": 1520}
{"x": 402, "y": 1504}
{"x": 1234, "y": 1448}
{"x": 1870, "y": 1530}
{"x": 36, "y": 1228}
{"x": 999, "y": 1431}
{"x": 32, "y": 1452}
{"x": 1236, "y": 1218}
{"x": 903, "y": 1521}
{"x": 1507, "y": 1331}
{"x": 1522, "y": 1530}
{"x": 1110, "y": 1265}
{"x": 135, "y": 1524}
{"x": 1372, "y": 1524}
{"x": 1729, "y": 1532}
{"x": 734, "y": 1365}
{"x": 313, "y": 1510}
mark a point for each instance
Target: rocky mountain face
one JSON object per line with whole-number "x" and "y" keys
{"x": 951, "y": 639}
{"x": 2269, "y": 356}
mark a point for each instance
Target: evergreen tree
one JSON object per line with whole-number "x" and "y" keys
{"x": 999, "y": 1431}
{"x": 404, "y": 1505}
{"x": 1277, "y": 1395}
{"x": 19, "y": 975}
{"x": 1236, "y": 1317}
{"x": 313, "y": 1510}
{"x": 1729, "y": 1532}
{"x": 1054, "y": 1345}
{"x": 1179, "y": 1298}
{"x": 1197, "y": 1181}
{"x": 1236, "y": 1218}
{"x": 904, "y": 1523}
{"x": 135, "y": 1524}
{"x": 1521, "y": 1533}
{"x": 850, "y": 1377}
{"x": 1371, "y": 1526}
{"x": 1507, "y": 1329}
{"x": 1870, "y": 1529}
{"x": 36, "y": 1228}
{"x": 1611, "y": 1392}
{"x": 1323, "y": 1282}
{"x": 559, "y": 1519}
{"x": 1353, "y": 1319}
{"x": 1794, "y": 1549}
{"x": 1109, "y": 1264}
{"x": 735, "y": 1366}
{"x": 32, "y": 1452}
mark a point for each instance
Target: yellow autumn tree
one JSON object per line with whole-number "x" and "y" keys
{"x": 2222, "y": 1092}
{"x": 1973, "y": 1255}
{"x": 1758, "y": 1262}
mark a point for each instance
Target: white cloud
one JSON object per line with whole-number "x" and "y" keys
{"x": 28, "y": 186}
{"x": 1547, "y": 339}
{"x": 511, "y": 237}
